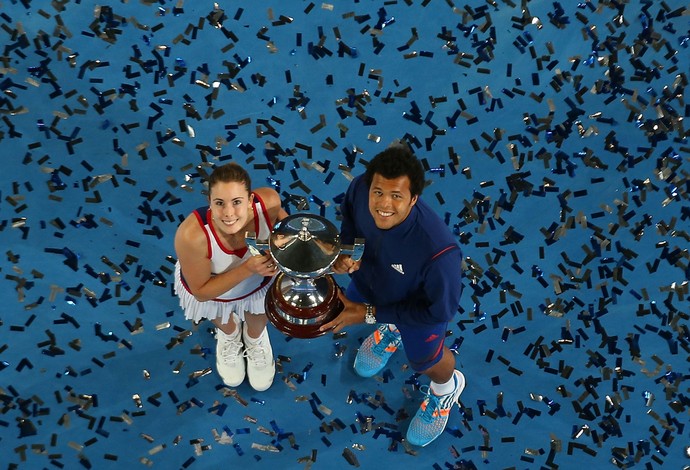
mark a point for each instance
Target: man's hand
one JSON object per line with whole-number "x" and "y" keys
{"x": 352, "y": 314}
{"x": 345, "y": 265}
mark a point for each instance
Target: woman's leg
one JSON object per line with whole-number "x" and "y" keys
{"x": 261, "y": 367}
{"x": 230, "y": 351}
{"x": 255, "y": 324}
{"x": 229, "y": 327}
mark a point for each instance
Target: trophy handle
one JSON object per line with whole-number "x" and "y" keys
{"x": 255, "y": 246}
{"x": 355, "y": 251}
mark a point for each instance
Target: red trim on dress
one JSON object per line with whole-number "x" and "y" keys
{"x": 264, "y": 211}
{"x": 208, "y": 240}
{"x": 266, "y": 280}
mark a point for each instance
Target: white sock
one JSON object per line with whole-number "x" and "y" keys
{"x": 249, "y": 339}
{"x": 232, "y": 335}
{"x": 444, "y": 388}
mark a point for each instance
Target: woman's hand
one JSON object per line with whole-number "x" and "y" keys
{"x": 262, "y": 265}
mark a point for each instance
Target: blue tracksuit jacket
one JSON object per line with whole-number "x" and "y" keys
{"x": 412, "y": 272}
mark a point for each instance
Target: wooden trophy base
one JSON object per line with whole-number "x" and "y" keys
{"x": 303, "y": 322}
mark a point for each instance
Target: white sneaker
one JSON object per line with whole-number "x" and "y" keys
{"x": 230, "y": 357}
{"x": 261, "y": 368}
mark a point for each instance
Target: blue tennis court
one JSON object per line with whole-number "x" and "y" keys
{"x": 555, "y": 148}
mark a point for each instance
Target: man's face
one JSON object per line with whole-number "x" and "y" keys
{"x": 390, "y": 201}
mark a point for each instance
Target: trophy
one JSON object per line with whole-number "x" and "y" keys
{"x": 304, "y": 295}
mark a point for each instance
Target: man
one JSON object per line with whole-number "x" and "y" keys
{"x": 408, "y": 281}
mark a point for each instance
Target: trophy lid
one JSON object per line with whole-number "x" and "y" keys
{"x": 305, "y": 245}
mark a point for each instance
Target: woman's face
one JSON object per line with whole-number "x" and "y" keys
{"x": 230, "y": 206}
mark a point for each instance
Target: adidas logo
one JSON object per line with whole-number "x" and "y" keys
{"x": 398, "y": 267}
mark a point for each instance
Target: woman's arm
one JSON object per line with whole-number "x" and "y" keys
{"x": 191, "y": 249}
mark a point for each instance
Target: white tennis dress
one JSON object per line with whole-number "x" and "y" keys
{"x": 248, "y": 295}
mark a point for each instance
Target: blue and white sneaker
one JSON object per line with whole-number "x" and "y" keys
{"x": 375, "y": 350}
{"x": 432, "y": 416}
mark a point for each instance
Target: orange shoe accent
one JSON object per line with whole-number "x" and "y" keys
{"x": 377, "y": 336}
{"x": 436, "y": 412}
{"x": 377, "y": 339}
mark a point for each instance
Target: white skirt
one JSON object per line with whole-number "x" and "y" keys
{"x": 196, "y": 311}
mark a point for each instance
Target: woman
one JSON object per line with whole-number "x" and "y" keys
{"x": 218, "y": 278}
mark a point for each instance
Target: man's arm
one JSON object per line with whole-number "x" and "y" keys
{"x": 345, "y": 264}
{"x": 442, "y": 287}
{"x": 442, "y": 284}
{"x": 347, "y": 207}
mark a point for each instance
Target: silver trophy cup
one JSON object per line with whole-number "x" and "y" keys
{"x": 304, "y": 295}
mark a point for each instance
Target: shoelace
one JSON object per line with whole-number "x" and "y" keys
{"x": 432, "y": 404}
{"x": 256, "y": 354}
{"x": 388, "y": 338}
{"x": 231, "y": 351}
